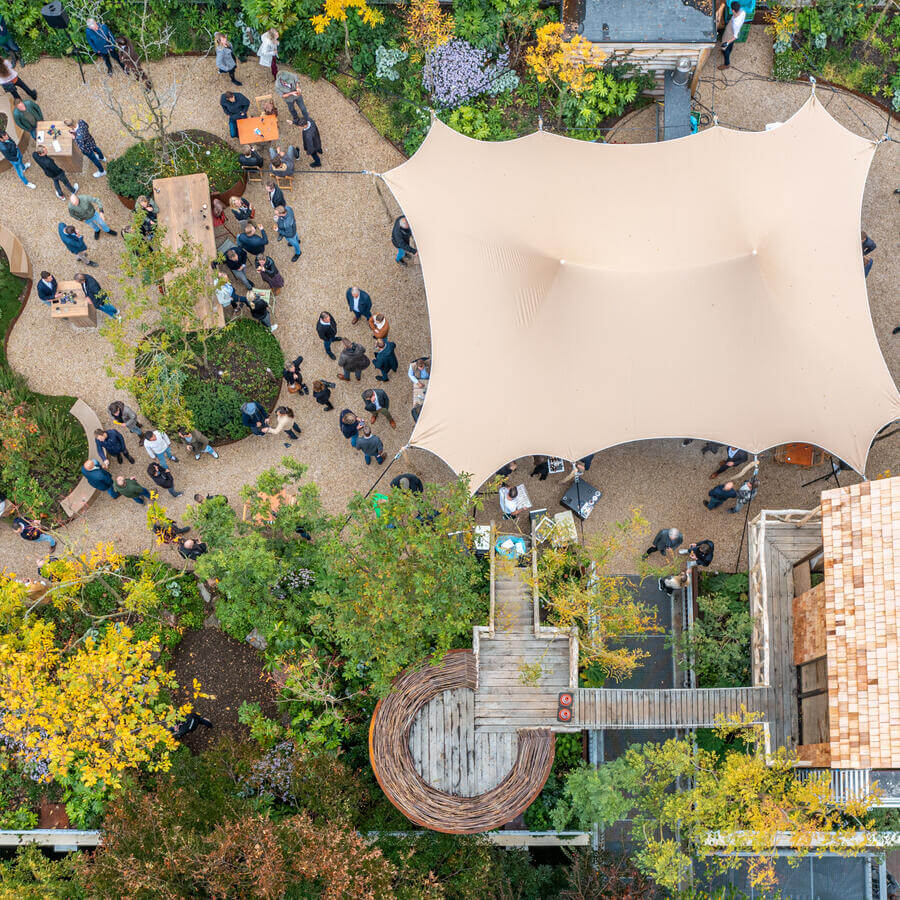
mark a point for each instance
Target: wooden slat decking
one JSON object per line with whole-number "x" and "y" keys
{"x": 672, "y": 708}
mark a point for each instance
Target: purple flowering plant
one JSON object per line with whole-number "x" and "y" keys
{"x": 456, "y": 72}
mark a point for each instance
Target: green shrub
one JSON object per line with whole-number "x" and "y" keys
{"x": 132, "y": 173}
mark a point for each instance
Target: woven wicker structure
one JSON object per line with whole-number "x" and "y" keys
{"x": 425, "y": 805}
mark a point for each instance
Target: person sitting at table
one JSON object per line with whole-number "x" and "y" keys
{"x": 218, "y": 213}
{"x": 260, "y": 310}
{"x": 253, "y": 239}
{"x": 418, "y": 371}
{"x": 97, "y": 295}
{"x": 250, "y": 158}
{"x": 227, "y": 296}
{"x": 283, "y": 161}
{"x": 27, "y": 114}
{"x": 235, "y": 106}
{"x": 241, "y": 209}
{"x": 46, "y": 287}
{"x": 508, "y": 497}
{"x": 269, "y": 273}
{"x": 268, "y": 109}
{"x": 48, "y": 165}
{"x": 236, "y": 260}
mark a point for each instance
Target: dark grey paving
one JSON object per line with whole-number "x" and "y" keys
{"x": 661, "y": 21}
{"x": 676, "y": 108}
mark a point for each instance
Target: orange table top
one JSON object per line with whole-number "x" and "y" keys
{"x": 247, "y": 128}
{"x": 798, "y": 454}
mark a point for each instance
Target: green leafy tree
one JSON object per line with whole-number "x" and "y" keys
{"x": 29, "y": 875}
{"x": 396, "y": 585}
{"x": 678, "y": 796}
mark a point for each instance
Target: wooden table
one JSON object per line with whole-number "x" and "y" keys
{"x": 184, "y": 207}
{"x": 68, "y": 157}
{"x": 247, "y": 128}
{"x": 804, "y": 455}
{"x": 82, "y": 312}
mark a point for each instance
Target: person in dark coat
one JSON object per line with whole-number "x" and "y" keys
{"x": 276, "y": 195}
{"x": 322, "y": 394}
{"x": 100, "y": 39}
{"x": 8, "y": 45}
{"x": 84, "y": 140}
{"x": 253, "y": 416}
{"x": 48, "y": 166}
{"x": 401, "y": 235}
{"x": 385, "y": 358}
{"x": 326, "y": 329}
{"x": 13, "y": 155}
{"x": 719, "y": 494}
{"x": 190, "y": 548}
{"x": 360, "y": 304}
{"x": 189, "y": 724}
{"x": 377, "y": 403}
{"x": 701, "y": 552}
{"x": 163, "y": 478}
{"x": 98, "y": 478}
{"x": 235, "y": 106}
{"x": 96, "y": 294}
{"x": 370, "y": 445}
{"x": 111, "y": 443}
{"x": 250, "y": 158}
{"x": 73, "y": 241}
{"x": 236, "y": 260}
{"x": 734, "y": 457}
{"x": 352, "y": 359}
{"x": 312, "y": 143}
{"x": 293, "y": 378}
{"x": 350, "y": 425}
{"x": 122, "y": 414}
{"x": 253, "y": 239}
{"x": 666, "y": 539}
{"x": 131, "y": 61}
{"x": 269, "y": 273}
{"x": 46, "y": 287}
{"x": 408, "y": 482}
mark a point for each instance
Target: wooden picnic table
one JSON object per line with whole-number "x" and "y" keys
{"x": 184, "y": 206}
{"x": 81, "y": 312}
{"x": 68, "y": 157}
{"x": 266, "y": 125}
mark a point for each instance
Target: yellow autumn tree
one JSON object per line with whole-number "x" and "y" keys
{"x": 426, "y": 26}
{"x": 337, "y": 10}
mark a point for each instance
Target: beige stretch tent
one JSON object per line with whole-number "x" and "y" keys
{"x": 584, "y": 295}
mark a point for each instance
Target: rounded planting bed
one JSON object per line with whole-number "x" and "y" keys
{"x": 132, "y": 174}
{"x": 244, "y": 362}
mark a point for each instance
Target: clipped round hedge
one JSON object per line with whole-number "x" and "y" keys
{"x": 132, "y": 173}
{"x": 251, "y": 361}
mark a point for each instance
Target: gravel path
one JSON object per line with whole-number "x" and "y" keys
{"x": 345, "y": 233}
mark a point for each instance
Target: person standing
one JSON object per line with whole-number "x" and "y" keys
{"x": 8, "y": 43}
{"x": 351, "y": 425}
{"x": 260, "y": 310}
{"x": 189, "y": 548}
{"x": 131, "y": 61}
{"x": 133, "y": 490}
{"x": 326, "y": 329}
{"x": 732, "y": 32}
{"x": 377, "y": 402}
{"x": 159, "y": 447}
{"x": 235, "y": 106}
{"x": 385, "y": 359}
{"x": 666, "y": 540}
{"x": 312, "y": 142}
{"x": 32, "y": 531}
{"x": 268, "y": 51}
{"x": 700, "y": 552}
{"x": 253, "y": 239}
{"x": 197, "y": 442}
{"x": 360, "y": 303}
{"x": 745, "y": 493}
{"x": 287, "y": 229}
{"x": 94, "y": 472}
{"x": 408, "y": 482}
{"x": 370, "y": 445}
{"x": 88, "y": 209}
{"x": 13, "y": 156}
{"x": 418, "y": 371}
{"x": 579, "y": 468}
{"x": 92, "y": 290}
{"x": 352, "y": 359}
{"x": 379, "y": 325}
{"x": 269, "y": 273}
{"x": 284, "y": 422}
{"x": 84, "y": 140}
{"x": 253, "y": 416}
{"x": 48, "y": 166}
{"x": 401, "y": 236}
{"x": 275, "y": 194}
{"x": 322, "y": 395}
{"x": 111, "y": 443}
{"x": 122, "y": 414}
{"x": 162, "y": 477}
{"x": 734, "y": 457}
{"x": 74, "y": 242}
{"x": 47, "y": 287}
{"x": 236, "y": 261}
{"x": 101, "y": 41}
{"x": 293, "y": 377}
{"x": 27, "y": 114}
{"x": 719, "y": 494}
{"x": 11, "y": 81}
{"x": 287, "y": 85}
{"x": 225, "y": 61}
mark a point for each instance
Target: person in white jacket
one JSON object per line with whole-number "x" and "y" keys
{"x": 268, "y": 51}
{"x": 159, "y": 447}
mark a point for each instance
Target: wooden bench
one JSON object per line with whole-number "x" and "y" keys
{"x": 83, "y": 494}
{"x": 19, "y": 263}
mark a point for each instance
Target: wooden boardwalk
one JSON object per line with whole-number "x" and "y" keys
{"x": 505, "y": 700}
